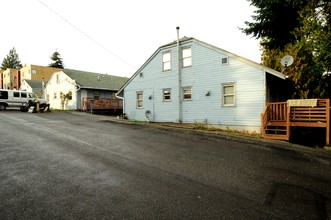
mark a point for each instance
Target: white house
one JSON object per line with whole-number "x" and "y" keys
{"x": 35, "y": 86}
{"x": 77, "y": 85}
{"x": 190, "y": 81}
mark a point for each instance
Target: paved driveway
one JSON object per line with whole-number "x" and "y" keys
{"x": 79, "y": 166}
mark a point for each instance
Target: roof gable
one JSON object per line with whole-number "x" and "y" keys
{"x": 188, "y": 39}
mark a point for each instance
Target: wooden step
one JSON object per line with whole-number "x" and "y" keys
{"x": 276, "y": 137}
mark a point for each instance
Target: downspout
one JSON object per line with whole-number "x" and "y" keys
{"x": 179, "y": 79}
{"x": 119, "y": 97}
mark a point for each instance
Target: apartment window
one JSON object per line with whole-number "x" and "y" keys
{"x": 166, "y": 59}
{"x": 166, "y": 95}
{"x": 187, "y": 57}
{"x": 140, "y": 101}
{"x": 228, "y": 91}
{"x": 187, "y": 93}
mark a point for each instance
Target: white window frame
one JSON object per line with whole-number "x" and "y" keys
{"x": 140, "y": 99}
{"x": 226, "y": 95}
{"x": 166, "y": 61}
{"x": 166, "y": 95}
{"x": 187, "y": 58}
{"x": 187, "y": 91}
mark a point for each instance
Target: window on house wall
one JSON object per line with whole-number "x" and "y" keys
{"x": 70, "y": 95}
{"x": 166, "y": 95}
{"x": 225, "y": 60}
{"x": 96, "y": 94}
{"x": 55, "y": 95}
{"x": 187, "y": 93}
{"x": 228, "y": 91}
{"x": 166, "y": 60}
{"x": 140, "y": 101}
{"x": 34, "y": 72}
{"x": 186, "y": 57}
{"x": 58, "y": 78}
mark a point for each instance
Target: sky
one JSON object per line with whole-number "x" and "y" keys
{"x": 116, "y": 37}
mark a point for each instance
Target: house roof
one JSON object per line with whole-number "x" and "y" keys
{"x": 95, "y": 80}
{"x": 34, "y": 84}
{"x": 188, "y": 39}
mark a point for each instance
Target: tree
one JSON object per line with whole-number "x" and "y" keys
{"x": 307, "y": 41}
{"x": 11, "y": 60}
{"x": 57, "y": 60}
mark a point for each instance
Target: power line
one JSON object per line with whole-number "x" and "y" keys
{"x": 86, "y": 35}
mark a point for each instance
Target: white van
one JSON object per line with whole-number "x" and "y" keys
{"x": 20, "y": 99}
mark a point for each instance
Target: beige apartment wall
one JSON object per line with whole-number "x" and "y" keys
{"x": 34, "y": 72}
{"x": 11, "y": 79}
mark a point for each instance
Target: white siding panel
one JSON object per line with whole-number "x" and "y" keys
{"x": 207, "y": 74}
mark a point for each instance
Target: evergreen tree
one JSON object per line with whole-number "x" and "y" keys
{"x": 57, "y": 60}
{"x": 305, "y": 35}
{"x": 11, "y": 60}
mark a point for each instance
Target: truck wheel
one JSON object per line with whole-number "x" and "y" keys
{"x": 2, "y": 107}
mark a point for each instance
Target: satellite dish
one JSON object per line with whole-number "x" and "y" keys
{"x": 287, "y": 60}
{"x": 148, "y": 114}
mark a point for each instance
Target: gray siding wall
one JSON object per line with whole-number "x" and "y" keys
{"x": 207, "y": 73}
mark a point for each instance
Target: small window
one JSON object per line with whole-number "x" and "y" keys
{"x": 187, "y": 57}
{"x": 16, "y": 94}
{"x": 55, "y": 95}
{"x": 166, "y": 59}
{"x": 141, "y": 74}
{"x": 187, "y": 93}
{"x": 24, "y": 95}
{"x": 140, "y": 101}
{"x": 58, "y": 78}
{"x": 70, "y": 95}
{"x": 228, "y": 95}
{"x": 166, "y": 95}
{"x": 225, "y": 60}
{"x": 34, "y": 72}
{"x": 96, "y": 94}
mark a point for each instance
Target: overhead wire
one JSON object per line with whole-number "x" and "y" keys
{"x": 86, "y": 35}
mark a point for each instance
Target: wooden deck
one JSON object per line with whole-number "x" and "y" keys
{"x": 102, "y": 104}
{"x": 278, "y": 118}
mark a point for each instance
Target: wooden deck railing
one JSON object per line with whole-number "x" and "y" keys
{"x": 102, "y": 104}
{"x": 279, "y": 114}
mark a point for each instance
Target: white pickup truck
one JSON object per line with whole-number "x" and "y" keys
{"x": 20, "y": 99}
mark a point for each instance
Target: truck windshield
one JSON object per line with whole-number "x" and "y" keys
{"x": 32, "y": 95}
